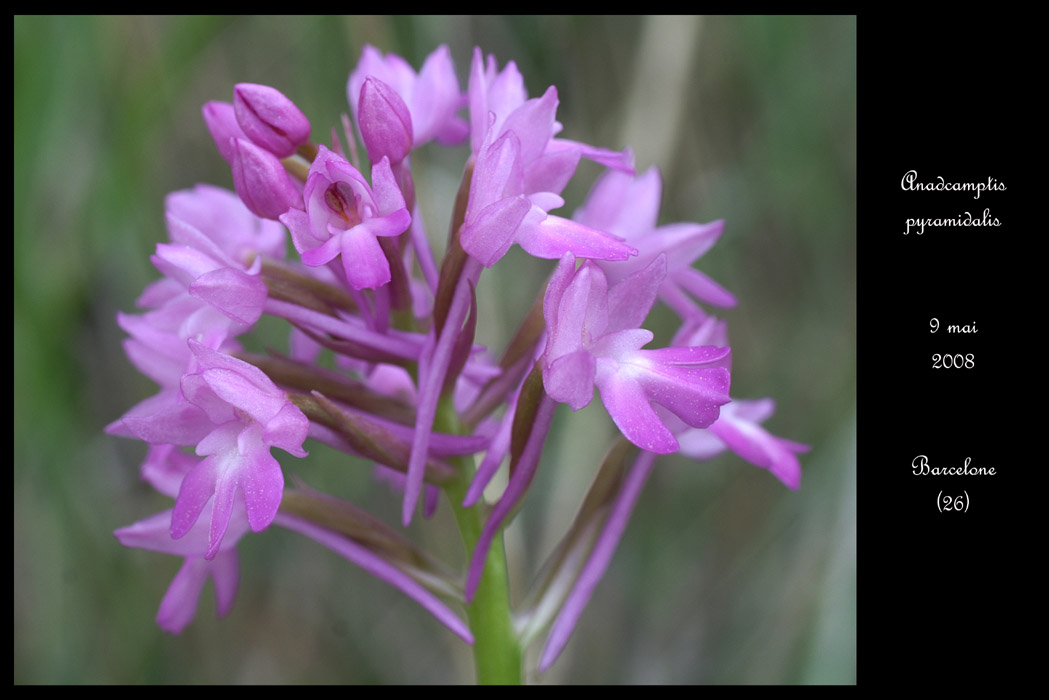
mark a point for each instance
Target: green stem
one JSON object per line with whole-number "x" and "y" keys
{"x": 497, "y": 650}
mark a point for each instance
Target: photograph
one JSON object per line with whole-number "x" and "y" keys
{"x": 412, "y": 350}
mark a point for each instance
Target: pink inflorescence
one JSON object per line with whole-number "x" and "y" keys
{"x": 382, "y": 362}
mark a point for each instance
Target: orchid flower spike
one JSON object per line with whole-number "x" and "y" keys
{"x": 385, "y": 363}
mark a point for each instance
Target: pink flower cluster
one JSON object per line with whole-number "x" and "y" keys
{"x": 403, "y": 384}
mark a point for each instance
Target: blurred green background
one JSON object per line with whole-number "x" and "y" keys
{"x": 723, "y": 576}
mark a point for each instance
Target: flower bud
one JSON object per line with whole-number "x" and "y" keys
{"x": 261, "y": 181}
{"x": 386, "y": 123}
{"x": 270, "y": 119}
{"x": 222, "y": 123}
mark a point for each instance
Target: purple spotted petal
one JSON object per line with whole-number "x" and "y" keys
{"x": 693, "y": 394}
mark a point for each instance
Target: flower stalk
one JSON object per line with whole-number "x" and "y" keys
{"x": 497, "y": 650}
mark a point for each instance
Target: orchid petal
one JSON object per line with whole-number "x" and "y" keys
{"x": 237, "y": 294}
{"x": 362, "y": 257}
{"x": 628, "y": 405}
{"x": 552, "y": 236}
{"x": 630, "y": 301}
{"x": 179, "y": 605}
{"x": 704, "y": 288}
{"x": 570, "y": 379}
{"x": 491, "y": 233}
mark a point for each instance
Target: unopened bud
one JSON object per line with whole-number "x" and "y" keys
{"x": 270, "y": 119}
{"x": 386, "y": 123}
{"x": 261, "y": 181}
